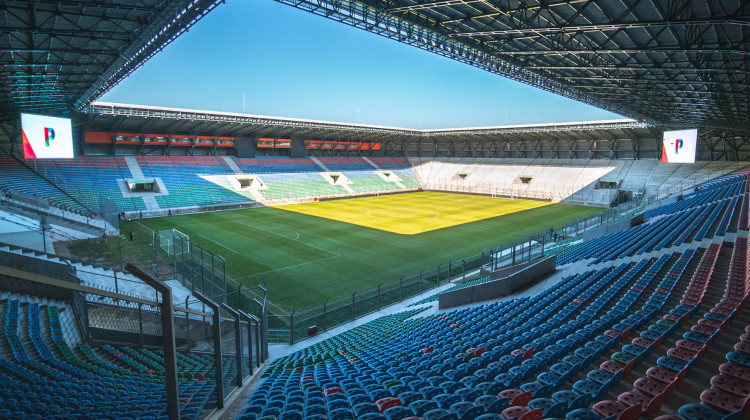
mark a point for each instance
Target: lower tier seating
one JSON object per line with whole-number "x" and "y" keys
{"x": 631, "y": 331}
{"x": 40, "y": 371}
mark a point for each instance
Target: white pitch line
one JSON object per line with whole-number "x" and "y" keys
{"x": 284, "y": 268}
{"x": 147, "y": 228}
{"x": 296, "y": 240}
{"x": 209, "y": 239}
{"x": 289, "y": 230}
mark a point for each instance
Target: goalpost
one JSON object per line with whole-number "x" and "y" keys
{"x": 512, "y": 195}
{"x": 174, "y": 242}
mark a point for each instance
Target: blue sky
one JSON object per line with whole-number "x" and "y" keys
{"x": 291, "y": 63}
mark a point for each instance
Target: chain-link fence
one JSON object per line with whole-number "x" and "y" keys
{"x": 334, "y": 313}
{"x": 123, "y": 332}
{"x": 109, "y": 211}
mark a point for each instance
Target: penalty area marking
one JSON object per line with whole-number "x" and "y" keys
{"x": 403, "y": 219}
{"x": 296, "y": 237}
{"x": 284, "y": 268}
{"x": 217, "y": 243}
{"x": 286, "y": 237}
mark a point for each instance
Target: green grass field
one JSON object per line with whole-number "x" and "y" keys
{"x": 326, "y": 250}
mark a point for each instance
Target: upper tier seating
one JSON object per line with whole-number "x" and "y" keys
{"x": 192, "y": 180}
{"x": 181, "y": 176}
{"x": 391, "y": 163}
{"x": 339, "y": 164}
{"x": 91, "y": 178}
{"x": 276, "y": 165}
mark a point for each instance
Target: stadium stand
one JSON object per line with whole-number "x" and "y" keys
{"x": 181, "y": 176}
{"x": 200, "y": 181}
{"x": 645, "y": 316}
{"x": 390, "y": 163}
{"x": 613, "y": 339}
{"x": 45, "y": 355}
{"x": 276, "y": 165}
{"x": 91, "y": 178}
{"x": 345, "y": 164}
{"x": 369, "y": 181}
{"x": 701, "y": 210}
{"x": 42, "y": 369}
{"x": 195, "y": 181}
{"x": 16, "y": 177}
{"x": 614, "y": 333}
{"x": 573, "y": 181}
{"x": 408, "y": 178}
{"x": 298, "y": 185}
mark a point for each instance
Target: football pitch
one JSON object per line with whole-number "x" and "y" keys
{"x": 312, "y": 252}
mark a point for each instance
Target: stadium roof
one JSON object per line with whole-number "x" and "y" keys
{"x": 59, "y": 55}
{"x": 613, "y": 139}
{"x": 671, "y": 63}
{"x": 126, "y": 118}
{"x": 668, "y": 63}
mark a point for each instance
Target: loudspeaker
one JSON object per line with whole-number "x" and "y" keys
{"x": 245, "y": 147}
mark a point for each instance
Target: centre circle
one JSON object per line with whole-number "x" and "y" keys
{"x": 404, "y": 214}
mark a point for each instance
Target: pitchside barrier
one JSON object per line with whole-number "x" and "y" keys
{"x": 149, "y": 320}
{"x": 172, "y": 241}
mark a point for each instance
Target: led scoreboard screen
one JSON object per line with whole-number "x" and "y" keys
{"x": 679, "y": 146}
{"x": 46, "y": 137}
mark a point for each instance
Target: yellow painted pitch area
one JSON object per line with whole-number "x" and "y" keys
{"x": 413, "y": 213}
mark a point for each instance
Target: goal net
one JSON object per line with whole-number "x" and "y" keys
{"x": 505, "y": 194}
{"x": 174, "y": 242}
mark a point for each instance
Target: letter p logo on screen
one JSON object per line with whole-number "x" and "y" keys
{"x": 49, "y": 135}
{"x": 46, "y": 137}
{"x": 679, "y": 146}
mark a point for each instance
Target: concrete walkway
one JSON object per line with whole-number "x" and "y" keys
{"x": 371, "y": 163}
{"x": 281, "y": 350}
{"x": 231, "y": 164}
{"x": 319, "y": 163}
{"x": 134, "y": 167}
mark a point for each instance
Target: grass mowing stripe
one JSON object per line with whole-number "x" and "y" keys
{"x": 301, "y": 275}
{"x": 296, "y": 240}
{"x": 285, "y": 268}
{"x": 217, "y": 243}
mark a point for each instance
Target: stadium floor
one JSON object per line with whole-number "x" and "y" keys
{"x": 413, "y": 213}
{"x": 307, "y": 260}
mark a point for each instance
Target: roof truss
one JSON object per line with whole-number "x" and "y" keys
{"x": 668, "y": 62}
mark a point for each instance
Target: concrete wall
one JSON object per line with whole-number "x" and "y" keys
{"x": 503, "y": 272}
{"x": 57, "y": 270}
{"x": 613, "y": 227}
{"x": 38, "y": 266}
{"x": 504, "y": 286}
